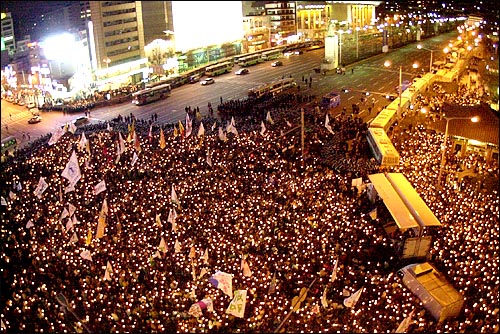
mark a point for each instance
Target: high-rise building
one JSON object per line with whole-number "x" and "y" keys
{"x": 117, "y": 32}
{"x": 8, "y": 38}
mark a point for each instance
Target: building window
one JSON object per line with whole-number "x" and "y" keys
{"x": 124, "y": 50}
{"x": 121, "y": 41}
{"x": 118, "y": 12}
{"x": 114, "y": 3}
{"x": 116, "y": 22}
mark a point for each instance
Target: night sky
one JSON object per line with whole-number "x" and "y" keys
{"x": 24, "y": 12}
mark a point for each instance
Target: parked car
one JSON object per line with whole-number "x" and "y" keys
{"x": 35, "y": 112}
{"x": 31, "y": 105}
{"x": 277, "y": 63}
{"x": 35, "y": 119}
{"x": 194, "y": 78}
{"x": 81, "y": 121}
{"x": 207, "y": 81}
{"x": 242, "y": 71}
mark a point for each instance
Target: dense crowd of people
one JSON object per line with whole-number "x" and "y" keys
{"x": 178, "y": 213}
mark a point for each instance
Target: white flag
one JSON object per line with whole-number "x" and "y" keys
{"x": 237, "y": 305}
{"x": 163, "y": 246}
{"x": 233, "y": 123}
{"x": 177, "y": 246}
{"x": 41, "y": 187}
{"x": 158, "y": 220}
{"x": 72, "y": 128}
{"x": 72, "y": 170}
{"x": 189, "y": 126}
{"x": 262, "y": 128}
{"x": 327, "y": 124}
{"x": 268, "y": 117}
{"x": 205, "y": 256}
{"x": 246, "y": 268}
{"x": 64, "y": 214}
{"x": 99, "y": 188}
{"x": 86, "y": 255}
{"x": 223, "y": 281}
{"x": 134, "y": 158}
{"x": 231, "y": 128}
{"x": 403, "y": 326}
{"x": 203, "y": 272}
{"x": 56, "y": 135}
{"x": 121, "y": 144}
{"x": 209, "y": 159}
{"x": 172, "y": 216}
{"x": 353, "y": 299}
{"x": 222, "y": 135}
{"x": 192, "y": 252}
{"x": 109, "y": 127}
{"x": 71, "y": 209}
{"x": 334, "y": 271}
{"x": 214, "y": 125}
{"x": 108, "y": 271}
{"x": 3, "y": 201}
{"x": 74, "y": 238}
{"x": 201, "y": 130}
{"x": 69, "y": 225}
{"x": 30, "y": 224}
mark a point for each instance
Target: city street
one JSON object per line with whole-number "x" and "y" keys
{"x": 368, "y": 75}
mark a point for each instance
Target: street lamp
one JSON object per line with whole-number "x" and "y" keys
{"x": 107, "y": 61}
{"x": 419, "y": 46}
{"x": 387, "y": 63}
{"x": 474, "y": 119}
{"x": 340, "y": 48}
{"x": 357, "y": 42}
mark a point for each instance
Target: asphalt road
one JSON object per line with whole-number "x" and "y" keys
{"x": 368, "y": 75}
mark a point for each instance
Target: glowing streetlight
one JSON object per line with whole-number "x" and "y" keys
{"x": 107, "y": 61}
{"x": 474, "y": 119}
{"x": 419, "y": 46}
{"x": 387, "y": 63}
{"x": 357, "y": 42}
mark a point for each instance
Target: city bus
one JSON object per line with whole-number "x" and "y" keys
{"x": 9, "y": 144}
{"x": 381, "y": 146}
{"x": 218, "y": 69}
{"x": 385, "y": 119}
{"x": 151, "y": 94}
{"x": 272, "y": 88}
{"x": 272, "y": 54}
{"x": 250, "y": 60}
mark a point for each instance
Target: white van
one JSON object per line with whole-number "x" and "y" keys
{"x": 35, "y": 111}
{"x": 438, "y": 296}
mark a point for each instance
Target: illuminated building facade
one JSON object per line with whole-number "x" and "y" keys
{"x": 8, "y": 37}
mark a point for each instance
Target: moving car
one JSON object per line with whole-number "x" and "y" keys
{"x": 81, "y": 121}
{"x": 242, "y": 71}
{"x": 207, "y": 81}
{"x": 194, "y": 78}
{"x": 277, "y": 63}
{"x": 35, "y": 119}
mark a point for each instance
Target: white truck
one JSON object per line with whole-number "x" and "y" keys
{"x": 438, "y": 296}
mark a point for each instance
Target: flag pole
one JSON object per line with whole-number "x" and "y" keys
{"x": 290, "y": 313}
{"x": 61, "y": 299}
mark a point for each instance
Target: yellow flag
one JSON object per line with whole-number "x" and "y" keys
{"x": 176, "y": 132}
{"x": 163, "y": 144}
{"x": 100, "y": 227}
{"x": 181, "y": 128}
{"x": 89, "y": 238}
